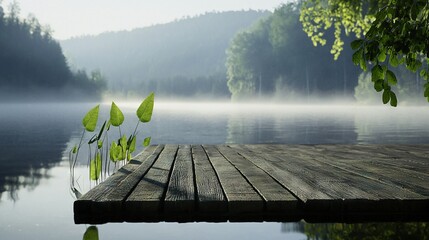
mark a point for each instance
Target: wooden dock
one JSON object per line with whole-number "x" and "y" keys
{"x": 214, "y": 183}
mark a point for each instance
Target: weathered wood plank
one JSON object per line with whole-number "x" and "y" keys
{"x": 277, "y": 197}
{"x": 148, "y": 196}
{"x": 91, "y": 202}
{"x": 295, "y": 178}
{"x": 241, "y": 196}
{"x": 317, "y": 183}
{"x": 376, "y": 170}
{"x": 390, "y": 155}
{"x": 374, "y": 166}
{"x": 374, "y": 189}
{"x": 209, "y": 191}
{"x": 180, "y": 196}
{"x": 393, "y": 200}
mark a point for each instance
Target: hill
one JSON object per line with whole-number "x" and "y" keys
{"x": 182, "y": 58}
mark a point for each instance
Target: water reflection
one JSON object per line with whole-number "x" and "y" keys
{"x": 379, "y": 231}
{"x": 292, "y": 124}
{"x": 296, "y": 231}
{"x": 32, "y": 140}
{"x": 402, "y": 125}
{"x": 33, "y": 137}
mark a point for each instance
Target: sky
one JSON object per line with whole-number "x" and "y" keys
{"x": 72, "y": 18}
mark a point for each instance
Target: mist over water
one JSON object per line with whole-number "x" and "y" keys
{"x": 35, "y": 140}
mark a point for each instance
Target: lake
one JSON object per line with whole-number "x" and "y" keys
{"x": 36, "y": 201}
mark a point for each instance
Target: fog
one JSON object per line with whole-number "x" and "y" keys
{"x": 239, "y": 56}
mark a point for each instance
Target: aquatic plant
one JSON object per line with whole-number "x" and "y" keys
{"x": 91, "y": 233}
{"x": 101, "y": 152}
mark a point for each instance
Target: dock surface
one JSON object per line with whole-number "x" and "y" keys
{"x": 284, "y": 183}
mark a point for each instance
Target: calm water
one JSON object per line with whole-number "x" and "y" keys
{"x": 35, "y": 201}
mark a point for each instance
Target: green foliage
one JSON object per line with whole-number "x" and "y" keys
{"x": 275, "y": 52}
{"x": 91, "y": 233}
{"x": 144, "y": 112}
{"x": 116, "y": 115}
{"x": 118, "y": 150}
{"x": 95, "y": 167}
{"x": 146, "y": 141}
{"x": 90, "y": 120}
{"x": 393, "y": 30}
{"x": 317, "y": 16}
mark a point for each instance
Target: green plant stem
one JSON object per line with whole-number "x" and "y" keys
{"x": 73, "y": 165}
{"x": 135, "y": 129}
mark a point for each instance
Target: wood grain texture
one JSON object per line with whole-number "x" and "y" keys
{"x": 277, "y": 197}
{"x": 241, "y": 196}
{"x": 108, "y": 196}
{"x": 318, "y": 183}
{"x": 148, "y": 196}
{"x": 210, "y": 194}
{"x": 180, "y": 195}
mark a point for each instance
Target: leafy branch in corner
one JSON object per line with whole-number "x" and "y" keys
{"x": 396, "y": 33}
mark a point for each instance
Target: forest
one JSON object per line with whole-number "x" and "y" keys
{"x": 276, "y": 58}
{"x": 33, "y": 67}
{"x": 183, "y": 58}
{"x": 217, "y": 55}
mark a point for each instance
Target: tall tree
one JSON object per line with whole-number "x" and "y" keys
{"x": 31, "y": 61}
{"x": 276, "y": 57}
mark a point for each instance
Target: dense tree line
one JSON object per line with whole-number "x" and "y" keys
{"x": 32, "y": 62}
{"x": 275, "y": 56}
{"x": 182, "y": 58}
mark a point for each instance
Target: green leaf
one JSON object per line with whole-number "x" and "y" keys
{"x": 356, "y": 44}
{"x": 95, "y": 167}
{"x": 423, "y": 73}
{"x": 108, "y": 125}
{"x": 382, "y": 56}
{"x": 413, "y": 64}
{"x": 74, "y": 149}
{"x": 393, "y": 60}
{"x": 91, "y": 233}
{"x": 426, "y": 93}
{"x": 391, "y": 78}
{"x": 90, "y": 119}
{"x": 144, "y": 112}
{"x": 92, "y": 139}
{"x": 101, "y": 131}
{"x": 386, "y": 96}
{"x": 146, "y": 141}
{"x": 121, "y": 153}
{"x": 362, "y": 64}
{"x": 123, "y": 142}
{"x": 377, "y": 73}
{"x": 357, "y": 56}
{"x": 378, "y": 85}
{"x": 99, "y": 144}
{"x": 113, "y": 152}
{"x": 116, "y": 115}
{"x": 132, "y": 145}
{"x": 393, "y": 99}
